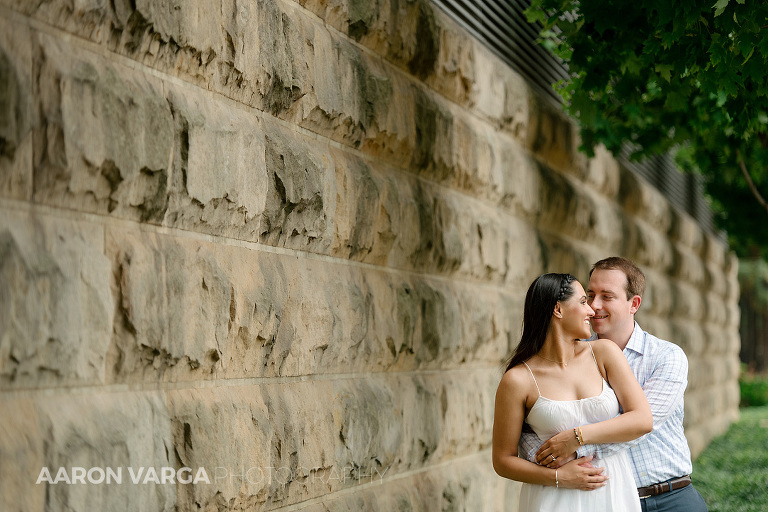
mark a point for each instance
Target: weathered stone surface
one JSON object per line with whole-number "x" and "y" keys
{"x": 468, "y": 484}
{"x": 646, "y": 245}
{"x": 219, "y": 181}
{"x": 687, "y": 265}
{"x": 643, "y": 201}
{"x": 570, "y": 208}
{"x": 190, "y": 310}
{"x": 105, "y": 136}
{"x": 563, "y": 254}
{"x": 108, "y": 430}
{"x": 295, "y": 441}
{"x": 686, "y": 231}
{"x": 297, "y": 70}
{"x": 92, "y": 430}
{"x": 21, "y": 456}
{"x": 659, "y": 294}
{"x": 17, "y": 116}
{"x": 55, "y": 306}
{"x": 421, "y": 39}
{"x": 602, "y": 173}
{"x": 551, "y": 137}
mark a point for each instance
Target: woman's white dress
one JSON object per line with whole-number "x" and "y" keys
{"x": 547, "y": 418}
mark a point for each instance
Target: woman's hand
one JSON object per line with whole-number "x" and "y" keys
{"x": 581, "y": 474}
{"x": 557, "y": 447}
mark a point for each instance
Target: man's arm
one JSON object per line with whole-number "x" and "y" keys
{"x": 664, "y": 390}
{"x": 529, "y": 443}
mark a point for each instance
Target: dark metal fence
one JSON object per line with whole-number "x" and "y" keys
{"x": 503, "y": 28}
{"x": 753, "y": 302}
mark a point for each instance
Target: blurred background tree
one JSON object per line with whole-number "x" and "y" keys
{"x": 684, "y": 76}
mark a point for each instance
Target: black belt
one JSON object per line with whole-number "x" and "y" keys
{"x": 660, "y": 488}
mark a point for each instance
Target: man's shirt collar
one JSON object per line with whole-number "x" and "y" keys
{"x": 636, "y": 340}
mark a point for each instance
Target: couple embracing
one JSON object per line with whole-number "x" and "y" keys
{"x": 593, "y": 424}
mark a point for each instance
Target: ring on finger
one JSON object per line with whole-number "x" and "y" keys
{"x": 553, "y": 458}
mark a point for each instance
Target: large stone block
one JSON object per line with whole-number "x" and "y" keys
{"x": 498, "y": 94}
{"x": 466, "y": 484}
{"x": 422, "y": 40}
{"x": 119, "y": 431}
{"x": 552, "y": 138}
{"x": 283, "y": 444}
{"x": 659, "y": 293}
{"x": 688, "y": 335}
{"x": 715, "y": 308}
{"x": 520, "y": 182}
{"x": 55, "y": 307}
{"x": 642, "y": 200}
{"x": 17, "y": 115}
{"x": 21, "y": 456}
{"x": 105, "y": 138}
{"x": 374, "y": 212}
{"x": 219, "y": 182}
{"x": 603, "y": 173}
{"x": 687, "y": 265}
{"x": 191, "y": 310}
{"x": 567, "y": 207}
{"x": 565, "y": 255}
{"x": 687, "y": 302}
{"x": 301, "y": 195}
{"x": 686, "y": 231}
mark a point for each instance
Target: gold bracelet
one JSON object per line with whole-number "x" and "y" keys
{"x": 579, "y": 437}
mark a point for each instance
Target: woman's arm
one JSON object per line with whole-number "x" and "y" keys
{"x": 507, "y": 425}
{"x": 633, "y": 423}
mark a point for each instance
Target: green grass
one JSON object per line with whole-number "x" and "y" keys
{"x": 732, "y": 473}
{"x": 754, "y": 389}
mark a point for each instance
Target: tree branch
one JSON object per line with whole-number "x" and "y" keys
{"x": 751, "y": 184}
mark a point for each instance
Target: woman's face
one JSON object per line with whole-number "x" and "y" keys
{"x": 577, "y": 313}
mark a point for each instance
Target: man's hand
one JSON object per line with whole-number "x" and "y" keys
{"x": 580, "y": 474}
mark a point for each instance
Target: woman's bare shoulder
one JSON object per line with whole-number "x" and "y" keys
{"x": 607, "y": 352}
{"x": 516, "y": 378}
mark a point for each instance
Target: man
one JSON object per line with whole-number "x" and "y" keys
{"x": 661, "y": 460}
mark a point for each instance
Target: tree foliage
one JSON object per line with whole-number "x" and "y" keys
{"x": 686, "y": 76}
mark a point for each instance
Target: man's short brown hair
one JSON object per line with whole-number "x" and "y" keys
{"x": 635, "y": 277}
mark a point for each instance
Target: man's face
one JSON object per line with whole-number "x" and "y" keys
{"x": 607, "y": 295}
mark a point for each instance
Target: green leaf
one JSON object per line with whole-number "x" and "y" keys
{"x": 720, "y": 7}
{"x": 665, "y": 70}
{"x": 749, "y": 55}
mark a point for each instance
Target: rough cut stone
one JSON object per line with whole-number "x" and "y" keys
{"x": 55, "y": 307}
{"x": 21, "y": 456}
{"x": 642, "y": 200}
{"x": 105, "y": 138}
{"x": 290, "y": 442}
{"x": 17, "y": 115}
{"x": 187, "y": 309}
{"x": 118, "y": 430}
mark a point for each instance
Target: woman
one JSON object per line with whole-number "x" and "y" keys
{"x": 559, "y": 385}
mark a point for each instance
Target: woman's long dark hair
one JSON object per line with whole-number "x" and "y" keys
{"x": 545, "y": 291}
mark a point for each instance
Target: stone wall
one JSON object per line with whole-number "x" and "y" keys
{"x": 287, "y": 242}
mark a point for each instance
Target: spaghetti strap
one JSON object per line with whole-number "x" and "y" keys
{"x": 593, "y": 356}
{"x": 534, "y": 378}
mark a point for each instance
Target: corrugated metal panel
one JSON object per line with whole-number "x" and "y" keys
{"x": 501, "y": 25}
